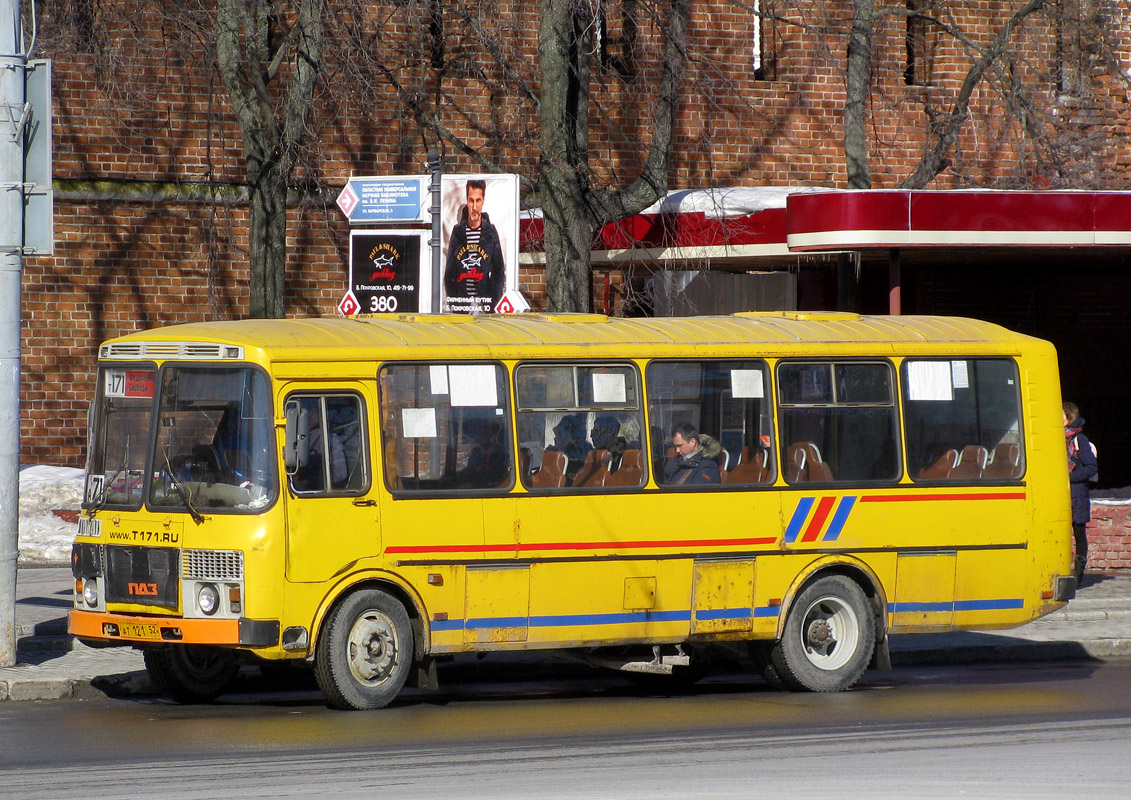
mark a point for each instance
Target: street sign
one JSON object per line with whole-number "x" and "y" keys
{"x": 349, "y": 305}
{"x": 512, "y": 303}
{"x": 392, "y": 199}
{"x": 385, "y": 269}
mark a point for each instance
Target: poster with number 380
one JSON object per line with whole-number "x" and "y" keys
{"x": 385, "y": 270}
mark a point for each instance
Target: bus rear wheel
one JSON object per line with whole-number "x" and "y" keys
{"x": 828, "y": 638}
{"x": 365, "y": 652}
{"x": 191, "y": 673}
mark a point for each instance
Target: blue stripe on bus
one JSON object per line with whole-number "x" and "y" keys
{"x": 497, "y": 622}
{"x": 724, "y": 613}
{"x": 999, "y": 604}
{"x": 620, "y": 618}
{"x": 797, "y": 521}
{"x": 989, "y": 605}
{"x": 843, "y": 509}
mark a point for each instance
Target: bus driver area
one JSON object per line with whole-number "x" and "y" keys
{"x": 369, "y": 495}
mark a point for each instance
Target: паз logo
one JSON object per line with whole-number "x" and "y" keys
{"x": 143, "y": 589}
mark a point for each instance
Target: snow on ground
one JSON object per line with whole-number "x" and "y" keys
{"x": 45, "y": 537}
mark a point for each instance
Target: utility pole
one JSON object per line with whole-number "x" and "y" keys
{"x": 436, "y": 171}
{"x": 13, "y": 62}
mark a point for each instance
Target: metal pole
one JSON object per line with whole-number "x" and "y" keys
{"x": 436, "y": 169}
{"x": 12, "y": 63}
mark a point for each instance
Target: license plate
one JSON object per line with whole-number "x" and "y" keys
{"x": 90, "y": 527}
{"x": 139, "y": 630}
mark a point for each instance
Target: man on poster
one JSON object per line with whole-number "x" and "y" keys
{"x": 475, "y": 274}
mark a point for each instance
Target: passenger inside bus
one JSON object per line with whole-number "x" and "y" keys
{"x": 692, "y": 463}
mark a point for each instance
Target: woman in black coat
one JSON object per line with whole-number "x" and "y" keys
{"x": 1082, "y": 468}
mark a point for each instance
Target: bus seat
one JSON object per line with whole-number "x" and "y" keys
{"x": 815, "y": 466}
{"x": 524, "y": 461}
{"x": 971, "y": 462}
{"x": 595, "y": 470}
{"x": 751, "y": 469}
{"x": 1006, "y": 462}
{"x": 551, "y": 475}
{"x": 942, "y": 468}
{"x": 630, "y": 472}
{"x": 795, "y": 460}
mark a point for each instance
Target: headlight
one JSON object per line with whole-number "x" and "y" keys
{"x": 90, "y": 592}
{"x": 207, "y": 598}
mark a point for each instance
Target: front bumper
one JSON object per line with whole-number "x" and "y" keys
{"x": 131, "y": 629}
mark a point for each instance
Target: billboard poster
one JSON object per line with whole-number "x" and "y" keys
{"x": 479, "y": 241}
{"x": 385, "y": 270}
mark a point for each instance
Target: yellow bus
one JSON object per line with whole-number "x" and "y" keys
{"x": 371, "y": 495}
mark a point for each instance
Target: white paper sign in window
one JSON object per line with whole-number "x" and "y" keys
{"x": 418, "y": 423}
{"x": 473, "y": 385}
{"x": 746, "y": 383}
{"x": 959, "y": 375}
{"x": 929, "y": 380}
{"x": 608, "y": 387}
{"x": 438, "y": 376}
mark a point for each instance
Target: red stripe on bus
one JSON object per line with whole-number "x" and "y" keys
{"x": 507, "y": 548}
{"x": 913, "y": 498}
{"x": 818, "y": 521}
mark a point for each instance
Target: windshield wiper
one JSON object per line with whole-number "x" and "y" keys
{"x": 196, "y": 516}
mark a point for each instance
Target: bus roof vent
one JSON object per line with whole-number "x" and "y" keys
{"x": 183, "y": 351}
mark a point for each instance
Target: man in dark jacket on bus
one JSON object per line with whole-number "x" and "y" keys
{"x": 1082, "y": 468}
{"x": 691, "y": 463}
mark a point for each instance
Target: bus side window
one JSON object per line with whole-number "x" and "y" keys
{"x": 333, "y": 449}
{"x": 579, "y": 426}
{"x": 962, "y": 419}
{"x": 446, "y": 428}
{"x": 728, "y": 402}
{"x": 838, "y": 422}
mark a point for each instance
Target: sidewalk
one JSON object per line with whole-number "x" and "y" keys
{"x": 52, "y": 666}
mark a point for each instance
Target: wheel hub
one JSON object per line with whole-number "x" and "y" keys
{"x": 372, "y": 649}
{"x": 819, "y": 633}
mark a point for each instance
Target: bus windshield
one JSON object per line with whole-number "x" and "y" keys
{"x": 212, "y": 446}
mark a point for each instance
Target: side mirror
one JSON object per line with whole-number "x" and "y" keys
{"x": 296, "y": 447}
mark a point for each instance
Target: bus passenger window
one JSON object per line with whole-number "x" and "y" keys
{"x": 838, "y": 422}
{"x": 728, "y": 402}
{"x": 962, "y": 419}
{"x": 333, "y": 451}
{"x": 579, "y": 426}
{"x": 446, "y": 428}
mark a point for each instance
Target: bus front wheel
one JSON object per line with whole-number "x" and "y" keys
{"x": 828, "y": 637}
{"x": 365, "y": 653}
{"x": 191, "y": 673}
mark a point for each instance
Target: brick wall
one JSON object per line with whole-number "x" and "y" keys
{"x": 1109, "y": 535}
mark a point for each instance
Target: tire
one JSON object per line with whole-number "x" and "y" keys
{"x": 364, "y": 653}
{"x": 760, "y": 652}
{"x": 191, "y": 673}
{"x": 828, "y": 638}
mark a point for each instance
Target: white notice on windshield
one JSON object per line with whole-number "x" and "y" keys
{"x": 473, "y": 385}
{"x": 418, "y": 423}
{"x": 929, "y": 380}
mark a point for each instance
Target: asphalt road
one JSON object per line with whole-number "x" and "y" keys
{"x": 1034, "y": 730}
